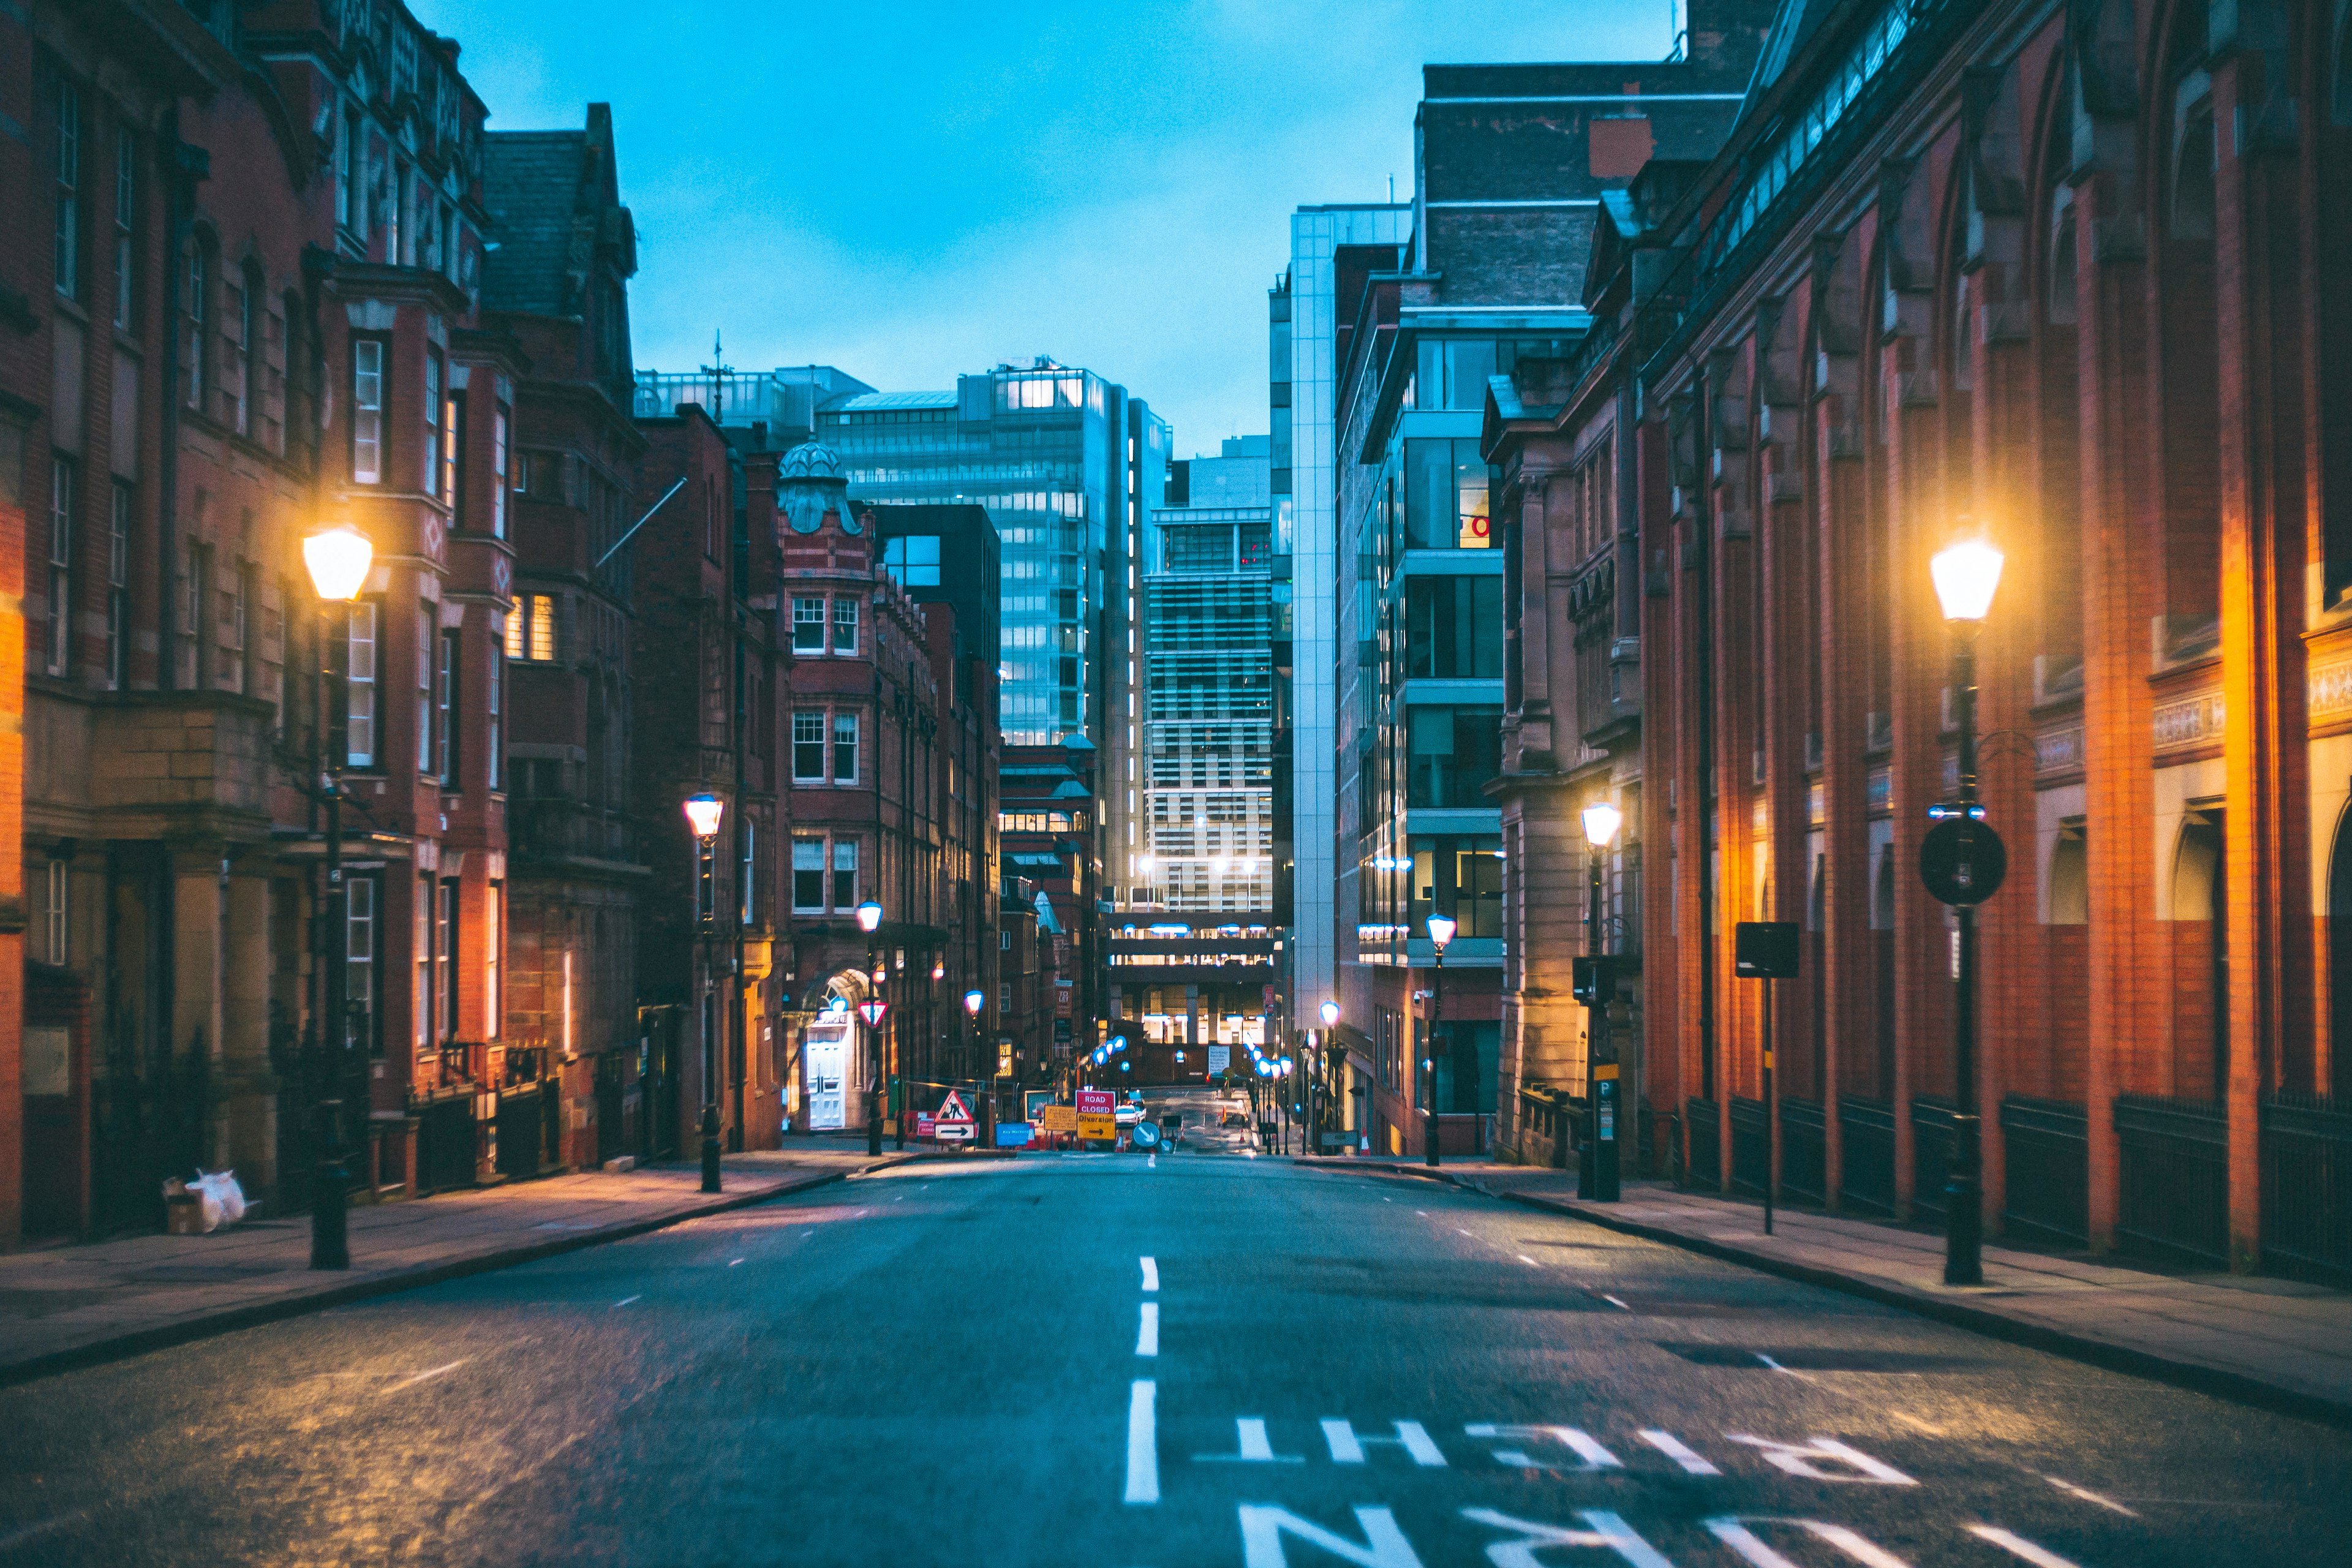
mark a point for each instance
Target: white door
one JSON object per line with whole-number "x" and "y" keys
{"x": 828, "y": 1069}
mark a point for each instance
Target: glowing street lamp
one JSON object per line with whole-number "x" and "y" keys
{"x": 1597, "y": 1165}
{"x": 869, "y": 916}
{"x": 704, "y": 812}
{"x": 1330, "y": 1011}
{"x": 869, "y": 920}
{"x": 338, "y": 559}
{"x": 1441, "y": 932}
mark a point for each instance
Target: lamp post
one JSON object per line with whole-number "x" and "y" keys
{"x": 1597, "y": 1171}
{"x": 973, "y": 1000}
{"x": 338, "y": 561}
{"x": 1965, "y": 576}
{"x": 869, "y": 920}
{"x": 1441, "y": 932}
{"x": 1330, "y": 1072}
{"x": 703, "y": 812}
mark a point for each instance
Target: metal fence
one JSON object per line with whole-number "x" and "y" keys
{"x": 2174, "y": 1179}
{"x": 445, "y": 1143}
{"x": 2046, "y": 1162}
{"x": 1931, "y": 1156}
{"x": 1705, "y": 1154}
{"x": 2306, "y": 1153}
{"x": 1866, "y": 1183}
{"x": 1804, "y": 1150}
{"x": 1751, "y": 1146}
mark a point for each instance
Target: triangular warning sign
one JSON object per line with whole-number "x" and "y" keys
{"x": 952, "y": 1109}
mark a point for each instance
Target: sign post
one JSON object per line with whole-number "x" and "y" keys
{"x": 1767, "y": 951}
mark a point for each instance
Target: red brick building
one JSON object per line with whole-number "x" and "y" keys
{"x": 2079, "y": 281}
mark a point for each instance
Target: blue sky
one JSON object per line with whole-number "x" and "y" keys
{"x": 913, "y": 190}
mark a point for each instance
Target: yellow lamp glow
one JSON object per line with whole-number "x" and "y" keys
{"x": 1965, "y": 574}
{"x": 1602, "y": 821}
{"x": 338, "y": 558}
{"x": 702, "y": 813}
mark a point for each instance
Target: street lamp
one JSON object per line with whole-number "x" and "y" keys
{"x": 1965, "y": 574}
{"x": 1596, "y": 1167}
{"x": 338, "y": 559}
{"x": 1441, "y": 932}
{"x": 869, "y": 920}
{"x": 703, "y": 812}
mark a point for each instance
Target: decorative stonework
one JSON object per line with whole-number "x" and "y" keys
{"x": 2197, "y": 722}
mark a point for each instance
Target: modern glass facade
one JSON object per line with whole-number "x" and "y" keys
{"x": 1305, "y": 496}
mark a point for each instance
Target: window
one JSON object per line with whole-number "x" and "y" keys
{"x": 808, "y": 748}
{"x": 367, "y": 411}
{"x": 55, "y": 931}
{"x": 845, "y": 625}
{"x": 359, "y": 966}
{"x": 1454, "y": 752}
{"x": 248, "y": 288}
{"x": 429, "y": 616}
{"x": 499, "y": 453}
{"x": 1460, "y": 875}
{"x": 914, "y": 561}
{"x": 494, "y": 729}
{"x": 126, "y": 218}
{"x": 845, "y": 873}
{"x": 61, "y": 519}
{"x": 395, "y": 206}
{"x": 69, "y": 251}
{"x": 453, "y": 454}
{"x": 349, "y": 210}
{"x": 444, "y": 957}
{"x": 845, "y": 748}
{"x": 237, "y": 643}
{"x": 444, "y": 707}
{"x": 1004, "y": 999}
{"x": 530, "y": 629}
{"x": 808, "y": 626}
{"x": 431, "y": 479}
{"x": 808, "y": 875}
{"x": 1452, "y": 375}
{"x": 359, "y": 688}
{"x": 750, "y": 879}
{"x": 494, "y": 942}
{"x": 1454, "y": 627}
{"x": 117, "y": 588}
{"x": 1445, "y": 496}
{"x": 420, "y": 999}
{"x": 192, "y": 316}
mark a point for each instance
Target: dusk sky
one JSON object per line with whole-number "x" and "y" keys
{"x": 909, "y": 190}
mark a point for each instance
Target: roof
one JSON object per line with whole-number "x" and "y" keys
{"x": 530, "y": 184}
{"x": 898, "y": 400}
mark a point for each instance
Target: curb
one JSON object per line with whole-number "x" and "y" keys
{"x": 229, "y": 1319}
{"x": 2198, "y": 1377}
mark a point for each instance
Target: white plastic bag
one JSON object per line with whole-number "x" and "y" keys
{"x": 223, "y": 1199}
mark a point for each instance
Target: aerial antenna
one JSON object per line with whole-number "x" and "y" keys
{"x": 1392, "y": 190}
{"x": 720, "y": 373}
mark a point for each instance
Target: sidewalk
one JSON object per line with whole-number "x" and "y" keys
{"x": 2273, "y": 1342}
{"x": 72, "y": 1305}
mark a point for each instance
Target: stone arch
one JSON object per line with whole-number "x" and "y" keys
{"x": 2070, "y": 879}
{"x": 2197, "y": 905}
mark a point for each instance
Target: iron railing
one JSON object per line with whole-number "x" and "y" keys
{"x": 1705, "y": 1153}
{"x": 1931, "y": 1156}
{"x": 2174, "y": 1179}
{"x": 2046, "y": 1164}
{"x": 1866, "y": 1181}
{"x": 1751, "y": 1146}
{"x": 2306, "y": 1154}
{"x": 1804, "y": 1150}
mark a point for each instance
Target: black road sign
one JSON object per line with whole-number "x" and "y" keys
{"x": 1962, "y": 861}
{"x": 1591, "y": 979}
{"x": 1764, "y": 950}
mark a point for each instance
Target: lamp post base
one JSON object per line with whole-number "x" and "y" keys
{"x": 1963, "y": 1210}
{"x": 710, "y": 1149}
{"x": 330, "y": 1196}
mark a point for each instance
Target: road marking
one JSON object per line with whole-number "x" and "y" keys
{"x": 1803, "y": 1460}
{"x": 1142, "y": 1441}
{"x": 1912, "y": 1421}
{"x": 627, "y": 1299}
{"x": 1151, "y": 1162}
{"x": 1250, "y": 1446}
{"x": 1607, "y": 1530}
{"x": 17, "y": 1538}
{"x": 1423, "y": 1212}
{"x": 1348, "y": 1446}
{"x": 1150, "y": 1274}
{"x": 733, "y": 1261}
{"x": 2040, "y": 1556}
{"x": 2070, "y": 1489}
{"x": 1147, "y": 1333}
{"x": 1673, "y": 1448}
{"x": 1263, "y": 1526}
{"x": 1529, "y": 1261}
{"x": 1459, "y": 1231}
{"x": 428, "y": 1375}
{"x": 1732, "y": 1533}
{"x": 1776, "y": 1366}
{"x": 1594, "y": 1456}
{"x": 1615, "y": 1302}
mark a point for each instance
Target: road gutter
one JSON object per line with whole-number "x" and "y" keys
{"x": 206, "y": 1325}
{"x": 2198, "y": 1377}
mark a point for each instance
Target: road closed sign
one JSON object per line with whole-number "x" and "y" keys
{"x": 1095, "y": 1102}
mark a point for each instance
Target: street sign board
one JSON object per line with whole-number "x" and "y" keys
{"x": 1764, "y": 950}
{"x": 1057, "y": 1118}
{"x": 953, "y": 1131}
{"x": 1221, "y": 1058}
{"x": 1962, "y": 861}
{"x": 1590, "y": 980}
{"x": 952, "y": 1109}
{"x": 1095, "y": 1102}
{"x": 1096, "y": 1127}
{"x": 1146, "y": 1135}
{"x": 925, "y": 1125}
{"x": 1013, "y": 1134}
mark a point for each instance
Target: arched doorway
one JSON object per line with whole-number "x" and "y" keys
{"x": 2339, "y": 964}
{"x": 2201, "y": 915}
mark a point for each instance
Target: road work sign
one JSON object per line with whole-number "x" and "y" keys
{"x": 1092, "y": 1127}
{"x": 1057, "y": 1118}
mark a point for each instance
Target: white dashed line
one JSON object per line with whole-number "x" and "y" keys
{"x": 627, "y": 1299}
{"x": 1150, "y": 1274}
{"x": 1529, "y": 1261}
{"x": 1674, "y": 1448}
{"x": 1142, "y": 1441}
{"x": 733, "y": 1261}
{"x": 428, "y": 1375}
{"x": 1616, "y": 1303}
{"x": 2070, "y": 1489}
{"x": 17, "y": 1538}
{"x": 2040, "y": 1556}
{"x": 1776, "y": 1366}
{"x": 1147, "y": 1332}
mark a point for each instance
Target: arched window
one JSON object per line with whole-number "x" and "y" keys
{"x": 2188, "y": 358}
{"x": 2199, "y": 907}
{"x": 2070, "y": 879}
{"x": 196, "y": 320}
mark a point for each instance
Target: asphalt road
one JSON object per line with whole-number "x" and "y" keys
{"x": 1127, "y": 1363}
